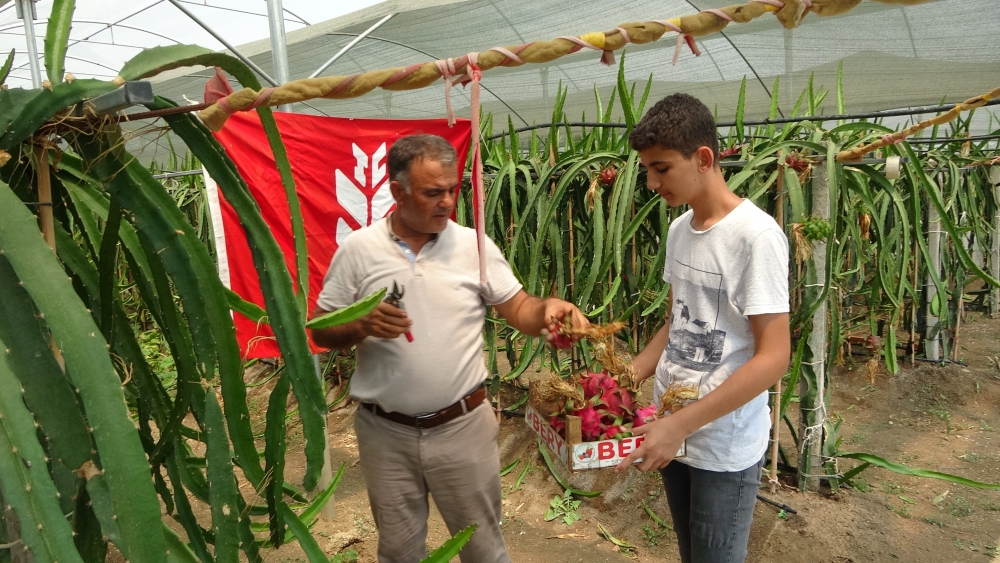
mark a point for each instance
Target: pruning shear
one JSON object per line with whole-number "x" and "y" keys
{"x": 394, "y": 298}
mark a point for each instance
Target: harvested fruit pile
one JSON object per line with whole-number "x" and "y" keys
{"x": 604, "y": 400}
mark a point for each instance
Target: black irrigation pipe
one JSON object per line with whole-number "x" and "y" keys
{"x": 780, "y": 120}
{"x": 777, "y": 504}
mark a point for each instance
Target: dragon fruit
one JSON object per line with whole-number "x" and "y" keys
{"x": 559, "y": 424}
{"x": 595, "y": 383}
{"x": 590, "y": 422}
{"x": 644, "y": 416}
{"x": 556, "y": 335}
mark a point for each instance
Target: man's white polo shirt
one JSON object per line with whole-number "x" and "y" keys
{"x": 444, "y": 299}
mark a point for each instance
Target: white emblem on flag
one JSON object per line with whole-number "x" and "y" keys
{"x": 369, "y": 177}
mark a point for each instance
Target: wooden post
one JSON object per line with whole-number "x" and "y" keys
{"x": 812, "y": 379}
{"x": 45, "y": 196}
{"x": 776, "y": 392}
{"x": 932, "y": 336}
{"x": 329, "y": 511}
{"x": 995, "y": 245}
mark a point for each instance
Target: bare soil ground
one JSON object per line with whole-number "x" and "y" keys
{"x": 932, "y": 417}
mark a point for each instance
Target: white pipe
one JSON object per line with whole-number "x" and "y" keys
{"x": 27, "y": 10}
{"x": 349, "y": 45}
{"x": 279, "y": 50}
{"x": 219, "y": 38}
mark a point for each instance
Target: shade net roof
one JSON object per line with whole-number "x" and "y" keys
{"x": 893, "y": 56}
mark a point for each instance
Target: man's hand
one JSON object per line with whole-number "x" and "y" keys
{"x": 557, "y": 309}
{"x": 530, "y": 314}
{"x": 385, "y": 321}
{"x": 662, "y": 440}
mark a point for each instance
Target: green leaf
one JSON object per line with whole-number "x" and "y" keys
{"x": 559, "y": 478}
{"x": 274, "y": 457}
{"x": 153, "y": 61}
{"x": 28, "y": 489}
{"x": 57, "y": 38}
{"x": 301, "y": 532}
{"x": 91, "y": 371}
{"x": 510, "y": 467}
{"x": 450, "y": 548}
{"x": 222, "y": 491}
{"x": 740, "y": 108}
{"x": 249, "y": 310}
{"x": 22, "y": 112}
{"x": 282, "y": 305}
{"x": 351, "y": 313}
{"x": 5, "y": 69}
{"x": 912, "y": 472}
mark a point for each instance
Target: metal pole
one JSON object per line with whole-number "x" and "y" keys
{"x": 26, "y": 11}
{"x": 279, "y": 52}
{"x": 219, "y": 38}
{"x": 347, "y": 47}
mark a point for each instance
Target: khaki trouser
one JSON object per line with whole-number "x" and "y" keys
{"x": 458, "y": 463}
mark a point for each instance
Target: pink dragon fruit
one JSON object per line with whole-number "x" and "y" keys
{"x": 594, "y": 383}
{"x": 559, "y": 423}
{"x": 644, "y": 415}
{"x": 590, "y": 422}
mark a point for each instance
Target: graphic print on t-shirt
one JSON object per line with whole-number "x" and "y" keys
{"x": 695, "y": 342}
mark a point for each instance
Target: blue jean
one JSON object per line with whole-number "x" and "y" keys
{"x": 712, "y": 511}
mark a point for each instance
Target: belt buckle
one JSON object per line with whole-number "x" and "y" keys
{"x": 424, "y": 417}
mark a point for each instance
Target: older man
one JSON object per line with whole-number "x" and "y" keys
{"x": 422, "y": 426}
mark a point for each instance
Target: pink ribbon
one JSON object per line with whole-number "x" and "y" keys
{"x": 681, "y": 39}
{"x": 262, "y": 99}
{"x": 478, "y": 192}
{"x": 511, "y": 55}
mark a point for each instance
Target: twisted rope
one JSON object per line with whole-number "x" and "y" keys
{"x": 687, "y": 28}
{"x": 892, "y": 138}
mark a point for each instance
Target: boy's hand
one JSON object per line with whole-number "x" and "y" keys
{"x": 662, "y": 440}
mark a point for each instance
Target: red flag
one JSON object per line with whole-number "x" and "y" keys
{"x": 342, "y": 180}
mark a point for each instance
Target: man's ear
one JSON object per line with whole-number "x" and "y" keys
{"x": 398, "y": 192}
{"x": 706, "y": 158}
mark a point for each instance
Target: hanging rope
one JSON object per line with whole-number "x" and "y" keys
{"x": 789, "y": 12}
{"x": 892, "y": 138}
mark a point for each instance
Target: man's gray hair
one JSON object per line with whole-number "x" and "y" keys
{"x": 413, "y": 147}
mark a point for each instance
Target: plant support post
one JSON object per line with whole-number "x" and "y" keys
{"x": 995, "y": 244}
{"x": 329, "y": 511}
{"x": 932, "y": 337}
{"x": 812, "y": 384}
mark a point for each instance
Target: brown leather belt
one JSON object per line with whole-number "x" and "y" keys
{"x": 464, "y": 405}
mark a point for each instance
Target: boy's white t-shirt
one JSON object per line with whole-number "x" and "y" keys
{"x": 720, "y": 276}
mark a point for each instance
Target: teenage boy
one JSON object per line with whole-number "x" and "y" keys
{"x": 727, "y": 336}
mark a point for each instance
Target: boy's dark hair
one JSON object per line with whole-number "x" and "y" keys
{"x": 679, "y": 122}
